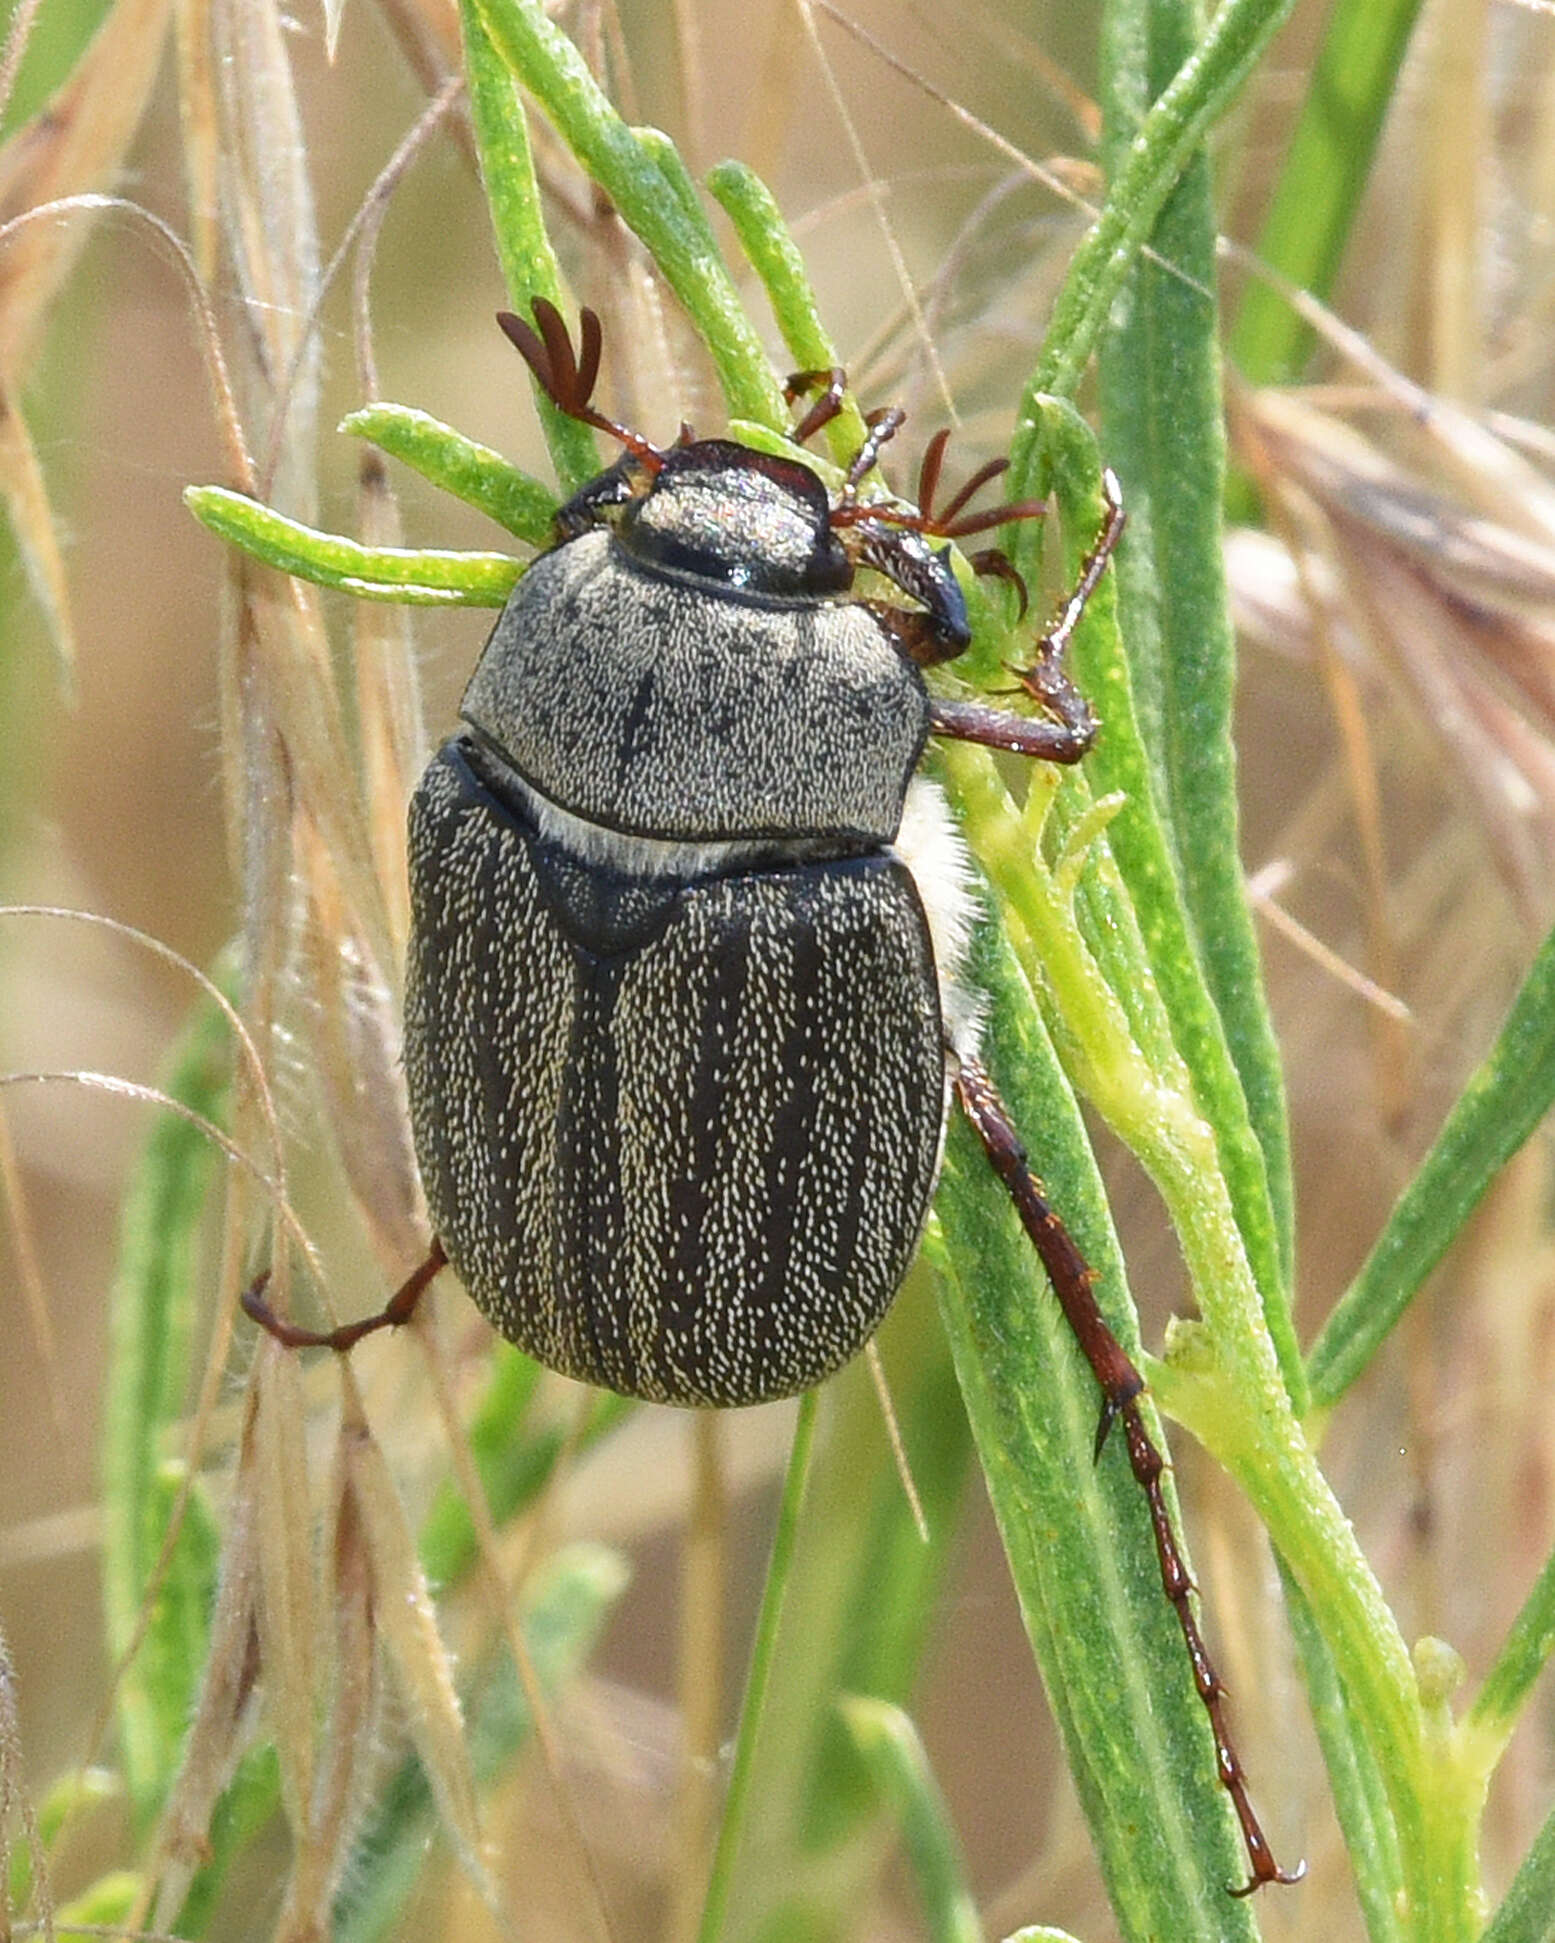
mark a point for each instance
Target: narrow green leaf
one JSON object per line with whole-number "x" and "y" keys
{"x": 76, "y": 1795}
{"x": 152, "y": 1315}
{"x": 1162, "y": 430}
{"x": 1176, "y": 124}
{"x": 529, "y": 267}
{"x": 1360, "y": 1799}
{"x": 514, "y": 1462}
{"x": 471, "y": 472}
{"x": 419, "y": 579}
{"x": 1320, "y": 188}
{"x": 1528, "y": 1914}
{"x": 858, "y": 1617}
{"x": 648, "y": 198}
{"x": 1500, "y": 1107}
{"x": 1519, "y": 1663}
{"x": 1075, "y": 1532}
{"x": 103, "y": 1905}
{"x": 891, "y": 1747}
{"x": 757, "y": 1683}
{"x": 249, "y": 1806}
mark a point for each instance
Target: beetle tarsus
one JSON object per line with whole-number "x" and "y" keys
{"x": 1121, "y": 1387}
{"x": 398, "y": 1310}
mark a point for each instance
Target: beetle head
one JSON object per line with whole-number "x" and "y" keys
{"x": 747, "y": 521}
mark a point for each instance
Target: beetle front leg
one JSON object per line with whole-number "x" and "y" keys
{"x": 1019, "y": 735}
{"x": 1121, "y": 1386}
{"x": 1068, "y": 730}
{"x": 399, "y": 1309}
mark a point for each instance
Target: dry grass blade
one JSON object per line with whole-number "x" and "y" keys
{"x": 288, "y": 1616}
{"x": 358, "y": 1064}
{"x": 1450, "y": 599}
{"x": 221, "y": 1726}
{"x": 406, "y": 1624}
{"x": 77, "y": 142}
{"x": 351, "y": 1708}
{"x": 1352, "y": 475}
{"x": 32, "y": 521}
{"x": 388, "y": 707}
{"x": 271, "y": 236}
{"x": 30, "y": 1274}
{"x": 200, "y": 127}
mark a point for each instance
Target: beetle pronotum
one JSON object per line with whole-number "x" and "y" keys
{"x": 685, "y": 1000}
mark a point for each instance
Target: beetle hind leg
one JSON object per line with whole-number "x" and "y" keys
{"x": 399, "y": 1309}
{"x": 1121, "y": 1386}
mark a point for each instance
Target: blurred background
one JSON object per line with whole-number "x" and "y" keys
{"x": 1396, "y": 705}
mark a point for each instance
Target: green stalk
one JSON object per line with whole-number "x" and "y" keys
{"x": 649, "y": 198}
{"x": 1313, "y": 210}
{"x": 1225, "y": 1384}
{"x": 1176, "y": 124}
{"x": 732, "y": 1826}
{"x": 1163, "y": 431}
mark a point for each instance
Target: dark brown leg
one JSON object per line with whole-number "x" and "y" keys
{"x": 399, "y": 1308}
{"x": 1021, "y": 735}
{"x": 1068, "y": 730}
{"x": 1120, "y": 1384}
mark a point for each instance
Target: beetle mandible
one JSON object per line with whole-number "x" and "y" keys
{"x": 685, "y": 1001}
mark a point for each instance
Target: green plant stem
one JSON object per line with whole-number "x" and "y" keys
{"x": 1326, "y": 170}
{"x": 725, "y": 1854}
{"x": 529, "y": 266}
{"x": 1162, "y": 416}
{"x": 1233, "y": 1398}
{"x": 649, "y": 197}
{"x": 1175, "y": 126}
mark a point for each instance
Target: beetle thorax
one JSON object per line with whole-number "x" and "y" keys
{"x": 654, "y": 705}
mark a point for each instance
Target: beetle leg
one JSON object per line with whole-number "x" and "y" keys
{"x": 399, "y": 1308}
{"x": 1121, "y": 1386}
{"x": 1021, "y": 735}
{"x": 1046, "y": 673}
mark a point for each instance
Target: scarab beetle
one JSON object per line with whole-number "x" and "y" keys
{"x": 688, "y": 929}
{"x": 684, "y": 1008}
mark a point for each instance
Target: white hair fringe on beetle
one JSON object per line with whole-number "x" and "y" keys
{"x": 685, "y": 1003}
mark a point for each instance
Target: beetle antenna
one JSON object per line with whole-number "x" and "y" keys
{"x": 1121, "y": 1386}
{"x": 950, "y": 522}
{"x": 567, "y": 378}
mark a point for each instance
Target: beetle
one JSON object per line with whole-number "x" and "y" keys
{"x": 686, "y": 1006}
